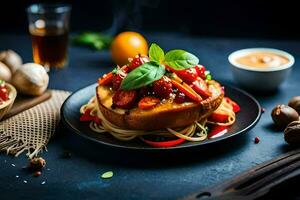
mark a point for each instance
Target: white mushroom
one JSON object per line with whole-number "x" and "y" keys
{"x": 31, "y": 79}
{"x": 11, "y": 59}
{"x": 5, "y": 73}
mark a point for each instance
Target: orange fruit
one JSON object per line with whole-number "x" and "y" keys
{"x": 128, "y": 45}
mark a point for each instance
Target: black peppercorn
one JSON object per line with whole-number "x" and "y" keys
{"x": 282, "y": 115}
{"x": 292, "y": 133}
{"x": 295, "y": 103}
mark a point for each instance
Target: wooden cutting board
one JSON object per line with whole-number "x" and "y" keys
{"x": 23, "y": 103}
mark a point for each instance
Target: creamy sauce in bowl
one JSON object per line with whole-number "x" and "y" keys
{"x": 262, "y": 59}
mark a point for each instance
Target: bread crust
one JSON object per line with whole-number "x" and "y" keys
{"x": 164, "y": 115}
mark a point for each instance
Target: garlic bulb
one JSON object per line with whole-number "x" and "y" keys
{"x": 5, "y": 73}
{"x": 31, "y": 79}
{"x": 11, "y": 59}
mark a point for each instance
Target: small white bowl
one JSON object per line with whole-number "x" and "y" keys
{"x": 7, "y": 105}
{"x": 262, "y": 79}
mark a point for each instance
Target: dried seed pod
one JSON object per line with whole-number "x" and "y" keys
{"x": 292, "y": 133}
{"x": 282, "y": 115}
{"x": 31, "y": 79}
{"x": 11, "y": 59}
{"x": 295, "y": 103}
{"x": 37, "y": 163}
{"x": 5, "y": 73}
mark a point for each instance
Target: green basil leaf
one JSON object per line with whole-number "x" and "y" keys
{"x": 180, "y": 59}
{"x": 143, "y": 75}
{"x": 156, "y": 53}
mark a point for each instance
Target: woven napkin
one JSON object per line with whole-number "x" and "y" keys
{"x": 31, "y": 130}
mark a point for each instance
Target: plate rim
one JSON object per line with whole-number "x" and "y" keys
{"x": 149, "y": 148}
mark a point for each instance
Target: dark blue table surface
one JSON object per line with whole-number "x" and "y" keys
{"x": 143, "y": 176}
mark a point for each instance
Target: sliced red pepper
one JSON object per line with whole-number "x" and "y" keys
{"x": 97, "y": 120}
{"x": 187, "y": 90}
{"x": 201, "y": 71}
{"x": 86, "y": 117}
{"x": 218, "y": 117}
{"x": 106, "y": 79}
{"x": 201, "y": 88}
{"x": 164, "y": 144}
{"x": 187, "y": 75}
{"x": 217, "y": 131}
{"x": 235, "y": 107}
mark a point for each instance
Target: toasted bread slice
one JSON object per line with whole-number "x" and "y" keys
{"x": 165, "y": 115}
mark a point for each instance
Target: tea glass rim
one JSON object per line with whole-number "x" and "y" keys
{"x": 43, "y": 8}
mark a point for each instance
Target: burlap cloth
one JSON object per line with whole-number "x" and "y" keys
{"x": 31, "y": 130}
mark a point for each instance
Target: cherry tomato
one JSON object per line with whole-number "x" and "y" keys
{"x": 3, "y": 94}
{"x": 125, "y": 99}
{"x": 162, "y": 87}
{"x": 108, "y": 78}
{"x": 147, "y": 103}
{"x": 118, "y": 78}
{"x": 136, "y": 62}
{"x": 187, "y": 75}
{"x": 181, "y": 98}
{"x": 200, "y": 71}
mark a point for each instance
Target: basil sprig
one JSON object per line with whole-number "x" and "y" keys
{"x": 177, "y": 59}
{"x": 151, "y": 71}
{"x": 143, "y": 76}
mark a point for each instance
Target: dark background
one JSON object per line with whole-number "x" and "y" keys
{"x": 225, "y": 18}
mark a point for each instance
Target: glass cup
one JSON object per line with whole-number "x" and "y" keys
{"x": 49, "y": 29}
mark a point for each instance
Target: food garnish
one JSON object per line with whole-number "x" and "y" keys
{"x": 4, "y": 93}
{"x": 256, "y": 140}
{"x": 94, "y": 40}
{"x": 107, "y": 175}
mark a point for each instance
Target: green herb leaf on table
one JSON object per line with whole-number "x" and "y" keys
{"x": 156, "y": 53}
{"x": 180, "y": 59}
{"x": 143, "y": 76}
{"x": 95, "y": 40}
{"x": 107, "y": 175}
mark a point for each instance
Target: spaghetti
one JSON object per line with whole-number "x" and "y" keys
{"x": 195, "y": 132}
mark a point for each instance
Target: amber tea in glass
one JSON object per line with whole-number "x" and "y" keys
{"x": 49, "y": 29}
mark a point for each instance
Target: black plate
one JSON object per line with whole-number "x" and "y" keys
{"x": 246, "y": 119}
